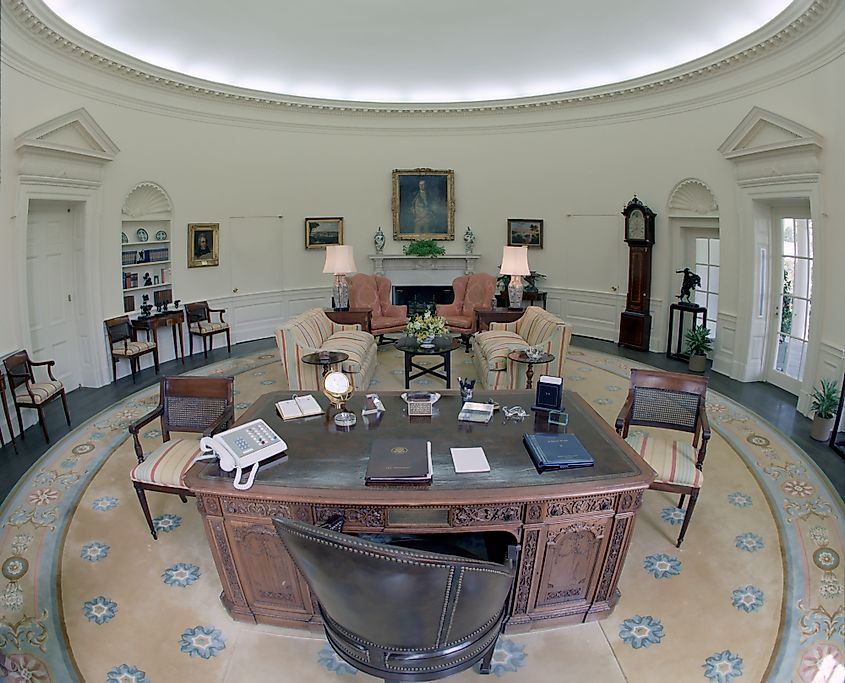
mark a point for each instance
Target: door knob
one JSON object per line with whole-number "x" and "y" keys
{"x": 235, "y": 290}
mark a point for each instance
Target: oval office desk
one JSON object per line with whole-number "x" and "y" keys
{"x": 573, "y": 526}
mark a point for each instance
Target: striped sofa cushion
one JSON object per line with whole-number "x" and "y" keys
{"x": 495, "y": 345}
{"x": 131, "y": 348}
{"x": 674, "y": 461}
{"x": 206, "y": 326}
{"x": 167, "y": 465}
{"x": 41, "y": 391}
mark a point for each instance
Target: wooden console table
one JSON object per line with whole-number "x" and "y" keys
{"x": 352, "y": 316}
{"x": 485, "y": 316}
{"x": 173, "y": 319}
{"x": 573, "y": 526}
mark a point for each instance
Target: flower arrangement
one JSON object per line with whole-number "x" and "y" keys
{"x": 426, "y": 325}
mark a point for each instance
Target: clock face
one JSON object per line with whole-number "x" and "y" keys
{"x": 636, "y": 225}
{"x": 337, "y": 383}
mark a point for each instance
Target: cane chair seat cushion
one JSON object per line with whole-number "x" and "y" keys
{"x": 674, "y": 461}
{"x": 131, "y": 348}
{"x": 206, "y": 326}
{"x": 41, "y": 391}
{"x": 167, "y": 465}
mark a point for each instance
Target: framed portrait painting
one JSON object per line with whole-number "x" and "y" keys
{"x": 203, "y": 244}
{"x": 525, "y": 231}
{"x": 322, "y": 232}
{"x": 423, "y": 204}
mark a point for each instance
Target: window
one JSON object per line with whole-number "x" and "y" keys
{"x": 707, "y": 268}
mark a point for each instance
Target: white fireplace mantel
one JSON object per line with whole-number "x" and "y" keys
{"x": 423, "y": 270}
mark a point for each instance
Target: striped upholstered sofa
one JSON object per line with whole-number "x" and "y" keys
{"x": 313, "y": 331}
{"x": 536, "y": 327}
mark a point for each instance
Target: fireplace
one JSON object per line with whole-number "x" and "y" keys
{"x": 418, "y": 298}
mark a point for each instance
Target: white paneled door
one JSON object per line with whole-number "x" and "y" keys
{"x": 51, "y": 289}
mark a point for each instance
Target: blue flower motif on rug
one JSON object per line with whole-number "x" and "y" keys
{"x": 268, "y": 382}
{"x": 94, "y": 552}
{"x": 243, "y": 405}
{"x": 167, "y": 523}
{"x": 97, "y": 436}
{"x": 259, "y": 373}
{"x": 422, "y": 382}
{"x": 181, "y": 575}
{"x": 100, "y": 610}
{"x": 603, "y": 401}
{"x": 740, "y": 500}
{"x": 508, "y": 656}
{"x": 674, "y": 516}
{"x": 202, "y": 641}
{"x": 152, "y": 434}
{"x": 126, "y": 673}
{"x": 662, "y": 566}
{"x": 613, "y": 387}
{"x": 749, "y": 542}
{"x": 329, "y": 660}
{"x": 723, "y": 667}
{"x": 641, "y": 631}
{"x": 747, "y": 598}
{"x": 104, "y": 504}
{"x": 576, "y": 378}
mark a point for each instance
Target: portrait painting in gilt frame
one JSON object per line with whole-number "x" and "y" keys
{"x": 423, "y": 204}
{"x": 525, "y": 231}
{"x": 203, "y": 244}
{"x": 322, "y": 232}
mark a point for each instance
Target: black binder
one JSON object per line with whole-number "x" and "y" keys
{"x": 398, "y": 461}
{"x": 556, "y": 451}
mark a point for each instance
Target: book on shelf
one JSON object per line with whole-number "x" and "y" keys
{"x": 399, "y": 461}
{"x": 299, "y": 406}
{"x": 473, "y": 411}
{"x": 556, "y": 451}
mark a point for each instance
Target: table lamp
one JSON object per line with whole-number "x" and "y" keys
{"x": 340, "y": 261}
{"x": 515, "y": 264}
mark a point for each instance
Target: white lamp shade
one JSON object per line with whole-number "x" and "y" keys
{"x": 339, "y": 259}
{"x": 515, "y": 261}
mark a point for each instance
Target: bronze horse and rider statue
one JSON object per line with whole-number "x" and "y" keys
{"x": 691, "y": 281}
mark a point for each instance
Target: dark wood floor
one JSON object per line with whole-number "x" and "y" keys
{"x": 773, "y": 404}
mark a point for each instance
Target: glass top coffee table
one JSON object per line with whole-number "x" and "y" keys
{"x": 522, "y": 357}
{"x": 413, "y": 349}
{"x": 325, "y": 359}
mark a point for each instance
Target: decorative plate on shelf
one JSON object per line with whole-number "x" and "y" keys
{"x": 123, "y": 238}
{"x": 161, "y": 235}
{"x": 142, "y": 235}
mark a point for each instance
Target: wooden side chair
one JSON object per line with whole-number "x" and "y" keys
{"x": 202, "y": 405}
{"x": 29, "y": 393}
{"x": 124, "y": 343}
{"x": 672, "y": 401}
{"x": 6, "y": 414}
{"x": 200, "y": 324}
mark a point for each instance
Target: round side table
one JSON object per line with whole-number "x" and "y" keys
{"x": 325, "y": 359}
{"x": 521, "y": 357}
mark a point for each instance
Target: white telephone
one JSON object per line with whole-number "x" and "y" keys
{"x": 238, "y": 448}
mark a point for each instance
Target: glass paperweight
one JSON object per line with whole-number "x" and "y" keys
{"x": 559, "y": 417}
{"x": 345, "y": 419}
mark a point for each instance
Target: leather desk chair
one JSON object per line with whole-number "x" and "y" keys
{"x": 399, "y": 613}
{"x": 28, "y": 393}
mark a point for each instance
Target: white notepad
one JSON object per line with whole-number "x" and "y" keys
{"x": 469, "y": 460}
{"x": 299, "y": 406}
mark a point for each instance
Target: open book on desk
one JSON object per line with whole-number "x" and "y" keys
{"x": 299, "y": 406}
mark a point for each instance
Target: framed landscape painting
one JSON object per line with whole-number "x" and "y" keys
{"x": 322, "y": 232}
{"x": 203, "y": 244}
{"x": 423, "y": 204}
{"x": 525, "y": 231}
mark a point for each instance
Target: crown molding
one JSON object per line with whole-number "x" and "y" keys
{"x": 794, "y": 24}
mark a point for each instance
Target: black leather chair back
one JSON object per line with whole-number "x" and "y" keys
{"x": 399, "y": 613}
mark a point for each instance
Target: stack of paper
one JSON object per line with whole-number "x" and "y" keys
{"x": 476, "y": 412}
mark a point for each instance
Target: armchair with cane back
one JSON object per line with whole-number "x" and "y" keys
{"x": 669, "y": 401}
{"x": 400, "y": 613}
{"x": 27, "y": 392}
{"x": 202, "y": 405}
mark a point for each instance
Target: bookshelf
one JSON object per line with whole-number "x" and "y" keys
{"x": 145, "y": 263}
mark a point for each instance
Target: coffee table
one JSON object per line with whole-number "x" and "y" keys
{"x": 416, "y": 350}
{"x": 522, "y": 357}
{"x": 326, "y": 360}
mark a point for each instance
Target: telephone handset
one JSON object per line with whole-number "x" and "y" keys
{"x": 242, "y": 447}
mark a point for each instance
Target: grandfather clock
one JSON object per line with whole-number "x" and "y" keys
{"x": 635, "y": 323}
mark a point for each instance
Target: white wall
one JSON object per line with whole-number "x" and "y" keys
{"x": 576, "y": 167}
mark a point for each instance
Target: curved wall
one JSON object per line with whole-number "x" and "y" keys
{"x": 576, "y": 165}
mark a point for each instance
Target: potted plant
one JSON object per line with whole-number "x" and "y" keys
{"x": 824, "y": 400}
{"x": 428, "y": 248}
{"x": 699, "y": 345}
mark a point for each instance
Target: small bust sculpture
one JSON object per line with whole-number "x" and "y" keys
{"x": 378, "y": 240}
{"x": 148, "y": 281}
{"x": 469, "y": 240}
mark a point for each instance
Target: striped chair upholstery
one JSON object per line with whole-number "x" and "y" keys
{"x": 131, "y": 348}
{"x": 311, "y": 332}
{"x": 198, "y": 315}
{"x": 124, "y": 344}
{"x": 666, "y": 403}
{"x": 29, "y": 393}
{"x": 167, "y": 465}
{"x": 537, "y": 327}
{"x": 36, "y": 394}
{"x": 206, "y": 326}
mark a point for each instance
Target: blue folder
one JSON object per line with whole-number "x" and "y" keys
{"x": 556, "y": 451}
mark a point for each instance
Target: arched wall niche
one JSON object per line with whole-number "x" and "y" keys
{"x": 692, "y": 196}
{"x": 147, "y": 199}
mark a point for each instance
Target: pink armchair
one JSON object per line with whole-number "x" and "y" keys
{"x": 373, "y": 291}
{"x": 471, "y": 292}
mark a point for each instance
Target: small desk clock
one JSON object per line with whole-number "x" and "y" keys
{"x": 336, "y": 386}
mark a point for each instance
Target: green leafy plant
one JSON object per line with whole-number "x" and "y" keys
{"x": 698, "y": 341}
{"x": 825, "y": 399}
{"x": 423, "y": 248}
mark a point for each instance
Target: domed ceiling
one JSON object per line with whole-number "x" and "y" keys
{"x": 403, "y": 51}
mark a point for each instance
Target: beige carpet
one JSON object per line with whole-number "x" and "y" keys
{"x": 753, "y": 595}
